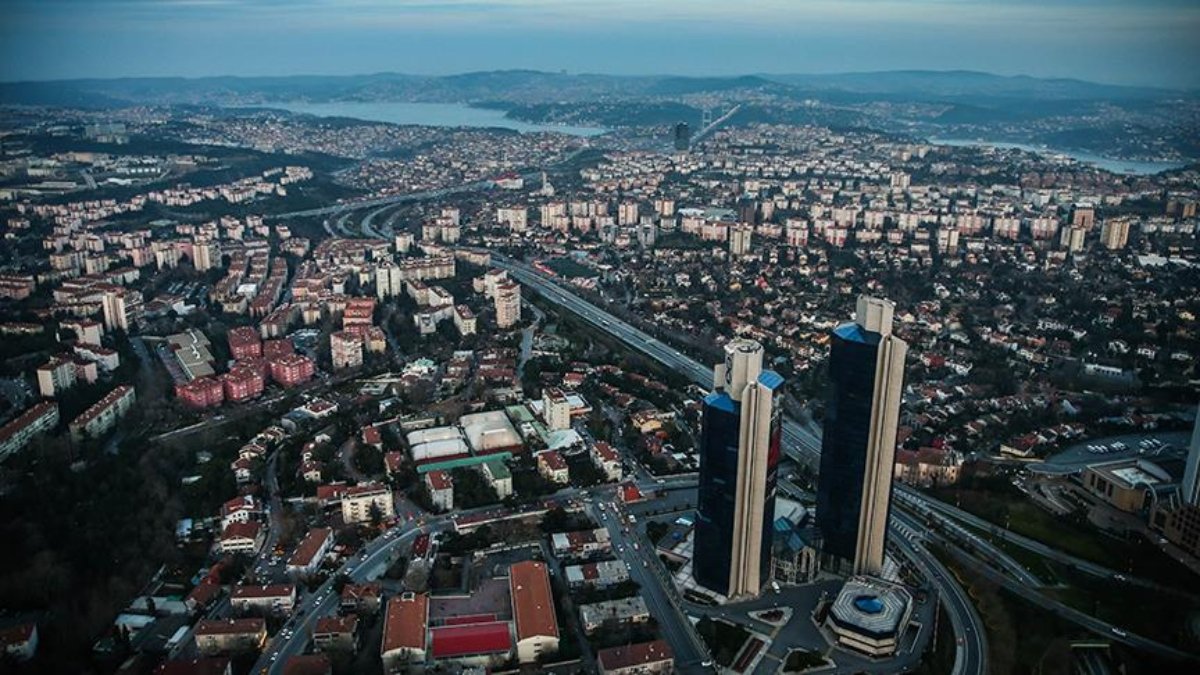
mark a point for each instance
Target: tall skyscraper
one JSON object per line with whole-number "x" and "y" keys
{"x": 683, "y": 136}
{"x": 739, "y": 454}
{"x": 866, "y": 372}
{"x": 1191, "y": 472}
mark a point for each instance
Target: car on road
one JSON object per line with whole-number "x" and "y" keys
{"x": 1119, "y": 633}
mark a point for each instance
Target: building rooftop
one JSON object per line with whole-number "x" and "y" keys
{"x": 471, "y": 640}
{"x": 533, "y": 605}
{"x": 404, "y": 625}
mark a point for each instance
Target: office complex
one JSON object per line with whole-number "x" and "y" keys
{"x": 683, "y": 136}
{"x": 866, "y": 373}
{"x": 739, "y": 453}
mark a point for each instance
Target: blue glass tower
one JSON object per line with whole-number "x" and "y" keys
{"x": 739, "y": 455}
{"x": 866, "y": 373}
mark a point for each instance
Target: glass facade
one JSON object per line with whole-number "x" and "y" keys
{"x": 717, "y": 495}
{"x": 715, "y": 500}
{"x": 853, "y": 355}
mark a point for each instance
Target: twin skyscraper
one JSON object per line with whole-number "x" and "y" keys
{"x": 740, "y": 449}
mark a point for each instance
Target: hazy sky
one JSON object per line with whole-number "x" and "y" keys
{"x": 1122, "y": 41}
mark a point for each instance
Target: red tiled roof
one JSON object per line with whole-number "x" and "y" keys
{"x": 404, "y": 626}
{"x": 533, "y": 606}
{"x": 640, "y": 654}
{"x": 212, "y": 666}
{"x": 479, "y": 638}
{"x": 230, "y": 626}
{"x": 308, "y": 547}
{"x": 308, "y": 664}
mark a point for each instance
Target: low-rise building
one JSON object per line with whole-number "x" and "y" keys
{"x": 581, "y": 543}
{"x": 16, "y": 434}
{"x": 441, "y": 490}
{"x": 870, "y": 616}
{"x": 604, "y": 574}
{"x": 242, "y": 538}
{"x": 404, "y": 629}
{"x": 310, "y": 552}
{"x": 607, "y": 460}
{"x": 230, "y": 636}
{"x": 553, "y": 467}
{"x": 499, "y": 476}
{"x": 535, "y": 621}
{"x": 98, "y": 419}
{"x": 624, "y": 611}
{"x": 642, "y": 658}
{"x": 336, "y": 633}
{"x": 276, "y": 599}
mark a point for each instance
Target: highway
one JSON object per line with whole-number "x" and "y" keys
{"x": 799, "y": 442}
{"x": 1071, "y": 614}
{"x": 946, "y": 512}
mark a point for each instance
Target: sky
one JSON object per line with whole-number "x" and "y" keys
{"x": 1143, "y": 42}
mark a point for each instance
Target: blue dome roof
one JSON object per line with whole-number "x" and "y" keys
{"x": 868, "y": 604}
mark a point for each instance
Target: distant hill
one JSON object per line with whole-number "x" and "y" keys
{"x": 528, "y": 87}
{"x": 963, "y": 84}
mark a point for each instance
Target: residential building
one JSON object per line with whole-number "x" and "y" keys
{"x": 535, "y": 621}
{"x": 556, "y": 409}
{"x": 98, "y": 419}
{"x": 603, "y": 574}
{"x": 336, "y": 633}
{"x": 641, "y": 658}
{"x": 55, "y": 376}
{"x": 553, "y": 467}
{"x": 498, "y": 475}
{"x": 866, "y": 370}
{"x": 276, "y": 599}
{"x": 241, "y": 538}
{"x": 244, "y": 343}
{"x": 508, "y": 304}
{"x": 16, "y": 434}
{"x": 607, "y": 461}
{"x": 1115, "y": 233}
{"x": 310, "y": 552}
{"x": 581, "y": 542}
{"x": 345, "y": 350}
{"x": 739, "y": 454}
{"x": 290, "y": 370}
{"x": 360, "y": 502}
{"x": 230, "y": 636}
{"x": 441, "y": 490}
{"x": 464, "y": 320}
{"x": 624, "y": 611}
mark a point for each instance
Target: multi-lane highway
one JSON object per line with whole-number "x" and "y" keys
{"x": 799, "y": 442}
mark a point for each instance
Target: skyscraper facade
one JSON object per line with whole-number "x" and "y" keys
{"x": 866, "y": 373}
{"x": 683, "y": 136}
{"x": 1191, "y": 472}
{"x": 739, "y": 455}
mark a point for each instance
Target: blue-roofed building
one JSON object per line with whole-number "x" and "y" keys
{"x": 739, "y": 454}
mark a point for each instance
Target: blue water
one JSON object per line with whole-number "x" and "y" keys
{"x": 430, "y": 115}
{"x": 1124, "y": 166}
